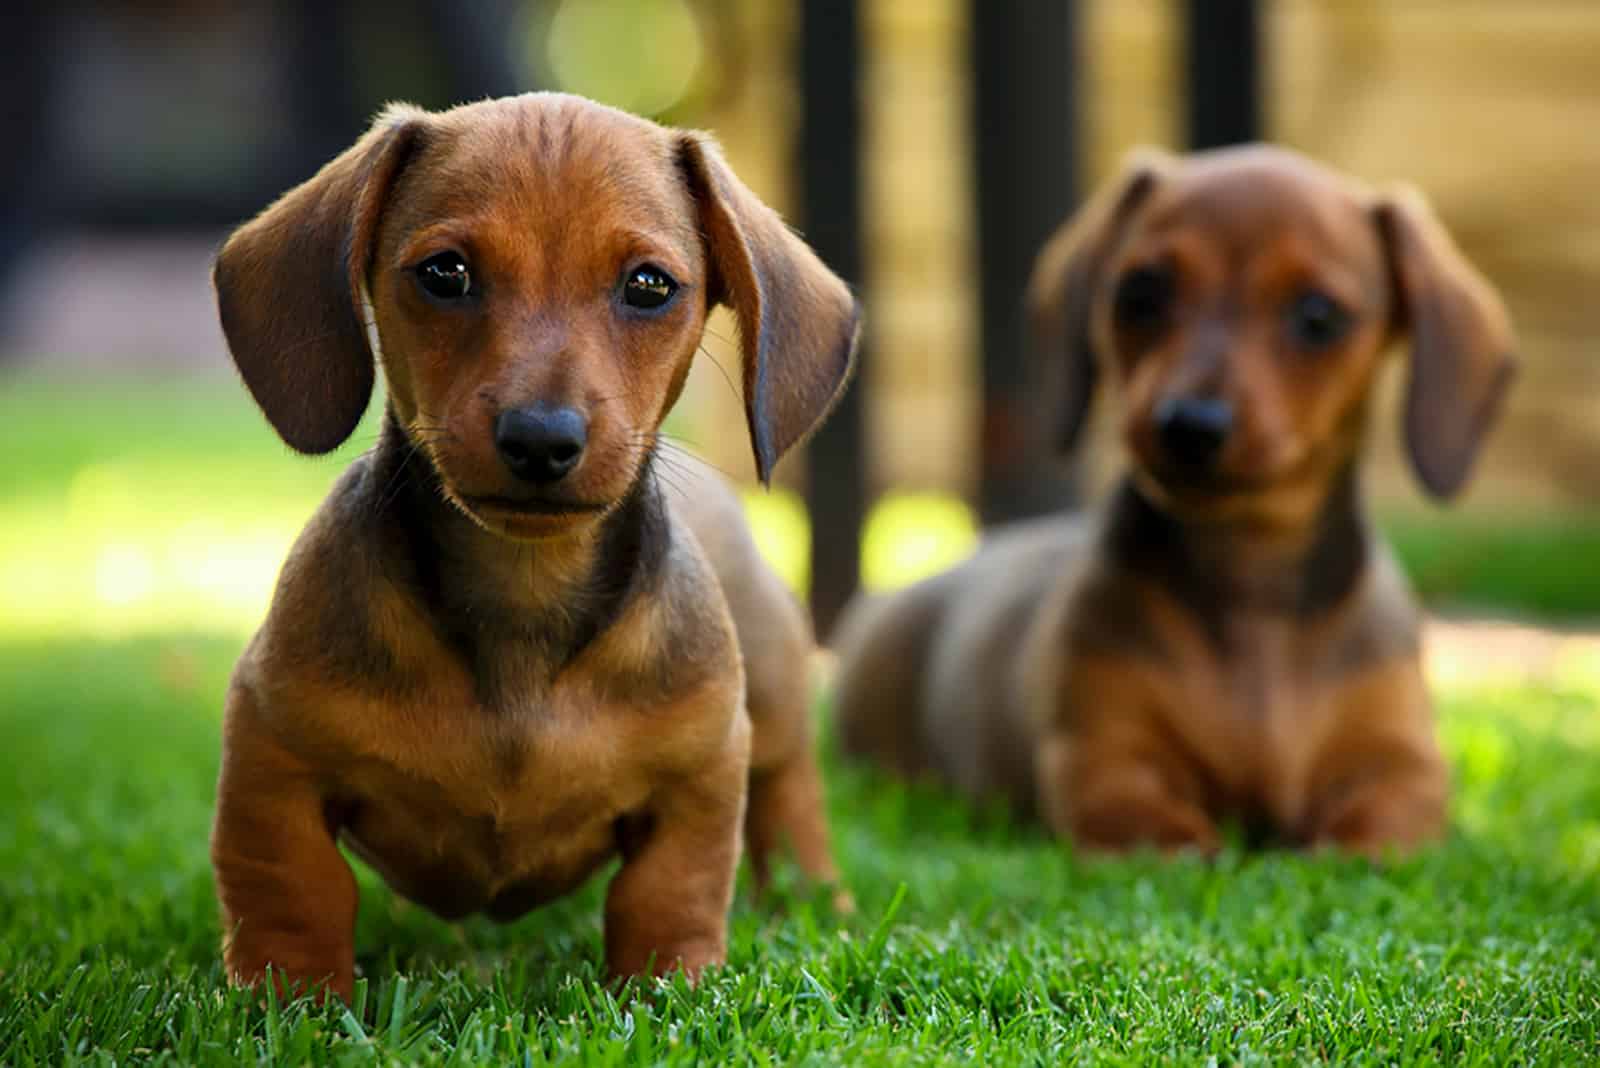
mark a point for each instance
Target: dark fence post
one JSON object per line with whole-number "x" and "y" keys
{"x": 829, "y": 151}
{"x": 1222, "y": 52}
{"x": 1025, "y": 121}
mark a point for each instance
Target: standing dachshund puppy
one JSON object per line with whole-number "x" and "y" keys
{"x": 504, "y": 651}
{"x": 1229, "y": 638}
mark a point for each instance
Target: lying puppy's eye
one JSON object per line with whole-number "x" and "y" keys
{"x": 445, "y": 275}
{"x": 1316, "y": 320}
{"x": 1143, "y": 298}
{"x": 647, "y": 287}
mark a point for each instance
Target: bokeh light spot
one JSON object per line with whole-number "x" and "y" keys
{"x": 638, "y": 55}
{"x": 910, "y": 536}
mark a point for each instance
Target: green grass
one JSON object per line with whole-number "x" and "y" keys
{"x": 1547, "y": 568}
{"x": 976, "y": 943}
{"x": 139, "y": 529}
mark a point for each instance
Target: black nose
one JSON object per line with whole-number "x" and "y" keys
{"x": 540, "y": 445}
{"x": 1193, "y": 429}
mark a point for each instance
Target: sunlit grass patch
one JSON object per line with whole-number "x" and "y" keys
{"x": 1495, "y": 733}
{"x": 144, "y": 506}
{"x": 149, "y": 506}
{"x": 109, "y": 563}
{"x": 139, "y": 506}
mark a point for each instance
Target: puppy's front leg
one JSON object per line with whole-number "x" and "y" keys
{"x": 1112, "y": 798}
{"x": 1380, "y": 782}
{"x": 667, "y": 907}
{"x": 1109, "y": 773}
{"x": 1398, "y": 812}
{"x": 288, "y": 896}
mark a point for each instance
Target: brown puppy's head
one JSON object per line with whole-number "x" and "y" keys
{"x": 534, "y": 275}
{"x": 1243, "y": 300}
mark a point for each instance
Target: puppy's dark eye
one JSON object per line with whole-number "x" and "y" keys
{"x": 1143, "y": 298}
{"x": 1316, "y": 320}
{"x": 647, "y": 287}
{"x": 445, "y": 275}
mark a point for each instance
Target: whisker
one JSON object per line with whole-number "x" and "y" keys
{"x": 674, "y": 448}
{"x": 727, "y": 378}
{"x": 392, "y": 489}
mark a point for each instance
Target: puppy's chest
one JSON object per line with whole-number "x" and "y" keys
{"x": 460, "y": 806}
{"x": 1251, "y": 699}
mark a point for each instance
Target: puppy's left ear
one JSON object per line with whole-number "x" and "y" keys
{"x": 1066, "y": 276}
{"x": 1462, "y": 346}
{"x": 798, "y": 322}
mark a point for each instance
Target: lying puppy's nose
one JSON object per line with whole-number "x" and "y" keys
{"x": 540, "y": 445}
{"x": 1193, "y": 429}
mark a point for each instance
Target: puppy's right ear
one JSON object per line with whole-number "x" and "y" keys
{"x": 1065, "y": 278}
{"x": 290, "y": 283}
{"x": 799, "y": 324}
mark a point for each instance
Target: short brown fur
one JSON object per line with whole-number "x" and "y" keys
{"x": 1233, "y": 644}
{"x": 484, "y": 690}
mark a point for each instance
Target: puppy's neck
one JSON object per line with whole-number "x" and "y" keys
{"x": 1244, "y": 564}
{"x": 551, "y": 597}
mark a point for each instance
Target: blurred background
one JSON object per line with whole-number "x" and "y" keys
{"x": 926, "y": 147}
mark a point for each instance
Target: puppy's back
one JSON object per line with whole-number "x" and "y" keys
{"x": 927, "y": 677}
{"x": 883, "y": 644}
{"x": 774, "y": 632}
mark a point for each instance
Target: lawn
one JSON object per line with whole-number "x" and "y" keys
{"x": 138, "y": 533}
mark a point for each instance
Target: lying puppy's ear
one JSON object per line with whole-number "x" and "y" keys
{"x": 1066, "y": 277}
{"x": 798, "y": 322}
{"x": 290, "y": 287}
{"x": 1462, "y": 346}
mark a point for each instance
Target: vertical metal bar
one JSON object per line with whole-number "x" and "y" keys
{"x": 1222, "y": 52}
{"x": 29, "y": 185}
{"x": 829, "y": 163}
{"x": 1025, "y": 123}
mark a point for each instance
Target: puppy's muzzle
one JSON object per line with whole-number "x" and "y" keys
{"x": 541, "y": 445}
{"x": 1193, "y": 430}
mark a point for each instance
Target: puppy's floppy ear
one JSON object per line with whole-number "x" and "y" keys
{"x": 798, "y": 322}
{"x": 290, "y": 283}
{"x": 1066, "y": 276}
{"x": 1462, "y": 346}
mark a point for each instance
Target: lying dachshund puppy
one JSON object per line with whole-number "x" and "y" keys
{"x": 1228, "y": 639}
{"x": 504, "y": 650}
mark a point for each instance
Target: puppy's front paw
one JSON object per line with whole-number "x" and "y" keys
{"x": 1384, "y": 818}
{"x": 291, "y": 980}
{"x": 691, "y": 957}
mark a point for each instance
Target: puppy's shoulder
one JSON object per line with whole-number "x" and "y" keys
{"x": 342, "y": 531}
{"x": 1017, "y": 568}
{"x": 1380, "y": 621}
{"x": 1013, "y": 568}
{"x": 675, "y": 636}
{"x": 1044, "y": 546}
{"x": 1095, "y": 607}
